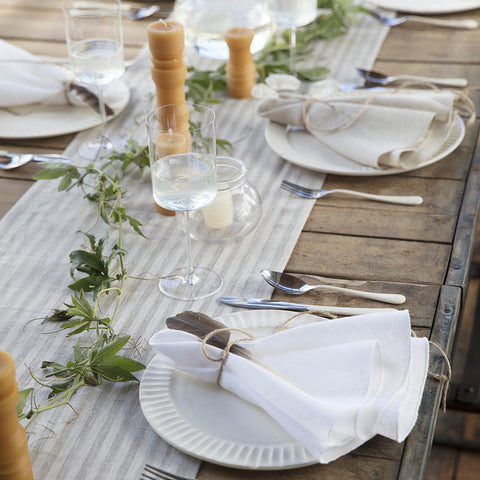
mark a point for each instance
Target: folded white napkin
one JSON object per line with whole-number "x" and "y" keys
{"x": 27, "y": 79}
{"x": 398, "y": 129}
{"x": 331, "y": 384}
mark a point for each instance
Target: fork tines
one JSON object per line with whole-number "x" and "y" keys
{"x": 297, "y": 189}
{"x": 154, "y": 473}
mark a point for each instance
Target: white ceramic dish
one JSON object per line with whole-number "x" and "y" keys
{"x": 210, "y": 423}
{"x": 61, "y": 119}
{"x": 428, "y": 6}
{"x": 300, "y": 148}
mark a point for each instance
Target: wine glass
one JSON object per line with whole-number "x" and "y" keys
{"x": 95, "y": 48}
{"x": 181, "y": 142}
{"x": 292, "y": 14}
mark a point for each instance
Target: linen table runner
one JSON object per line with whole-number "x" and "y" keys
{"x": 111, "y": 438}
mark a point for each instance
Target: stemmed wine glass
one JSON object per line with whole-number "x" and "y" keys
{"x": 95, "y": 48}
{"x": 292, "y": 14}
{"x": 181, "y": 141}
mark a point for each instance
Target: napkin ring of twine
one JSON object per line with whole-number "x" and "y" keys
{"x": 227, "y": 348}
{"x": 462, "y": 103}
{"x": 231, "y": 343}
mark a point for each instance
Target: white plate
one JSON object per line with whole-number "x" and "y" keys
{"x": 54, "y": 120}
{"x": 428, "y": 6}
{"x": 299, "y": 147}
{"x": 210, "y": 423}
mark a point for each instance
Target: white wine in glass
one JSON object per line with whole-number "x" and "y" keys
{"x": 292, "y": 14}
{"x": 181, "y": 143}
{"x": 95, "y": 46}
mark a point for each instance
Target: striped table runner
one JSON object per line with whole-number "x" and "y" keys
{"x": 110, "y": 438}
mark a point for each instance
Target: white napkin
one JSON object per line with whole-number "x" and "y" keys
{"x": 331, "y": 384}
{"x": 27, "y": 79}
{"x": 379, "y": 129}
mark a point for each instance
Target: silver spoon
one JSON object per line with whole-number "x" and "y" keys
{"x": 292, "y": 284}
{"x": 142, "y": 12}
{"x": 9, "y": 160}
{"x": 382, "y": 79}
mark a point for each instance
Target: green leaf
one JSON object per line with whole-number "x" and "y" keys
{"x": 92, "y": 261}
{"x": 114, "y": 373}
{"x": 126, "y": 363}
{"x": 111, "y": 348}
{"x": 52, "y": 170}
{"x": 23, "y": 400}
{"x": 90, "y": 283}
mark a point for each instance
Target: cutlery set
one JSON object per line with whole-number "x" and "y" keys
{"x": 294, "y": 285}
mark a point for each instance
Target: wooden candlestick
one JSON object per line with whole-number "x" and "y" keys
{"x": 14, "y": 458}
{"x": 240, "y": 66}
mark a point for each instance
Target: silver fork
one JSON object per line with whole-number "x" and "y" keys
{"x": 319, "y": 193}
{"x": 154, "y": 473}
{"x": 468, "y": 24}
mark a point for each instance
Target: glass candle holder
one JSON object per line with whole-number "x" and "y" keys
{"x": 236, "y": 210}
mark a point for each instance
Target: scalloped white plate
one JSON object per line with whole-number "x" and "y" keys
{"x": 210, "y": 423}
{"x": 428, "y": 6}
{"x": 55, "y": 120}
{"x": 297, "y": 146}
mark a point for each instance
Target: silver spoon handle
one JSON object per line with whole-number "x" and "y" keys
{"x": 401, "y": 200}
{"x": 450, "y": 82}
{"x": 381, "y": 297}
{"x": 468, "y": 24}
{"x": 347, "y": 310}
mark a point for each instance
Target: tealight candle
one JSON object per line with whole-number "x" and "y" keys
{"x": 14, "y": 457}
{"x": 240, "y": 66}
{"x": 170, "y": 143}
{"x": 219, "y": 214}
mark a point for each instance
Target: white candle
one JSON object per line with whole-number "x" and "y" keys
{"x": 219, "y": 214}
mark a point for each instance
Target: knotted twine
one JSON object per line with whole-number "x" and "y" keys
{"x": 462, "y": 102}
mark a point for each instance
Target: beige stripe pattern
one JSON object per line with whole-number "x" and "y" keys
{"x": 110, "y": 438}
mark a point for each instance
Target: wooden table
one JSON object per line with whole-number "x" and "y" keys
{"x": 423, "y": 253}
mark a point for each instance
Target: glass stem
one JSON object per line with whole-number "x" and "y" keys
{"x": 293, "y": 41}
{"x": 101, "y": 106}
{"x": 189, "y": 278}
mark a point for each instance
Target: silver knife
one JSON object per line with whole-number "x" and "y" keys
{"x": 298, "y": 307}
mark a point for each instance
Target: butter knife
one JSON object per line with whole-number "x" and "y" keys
{"x": 298, "y": 307}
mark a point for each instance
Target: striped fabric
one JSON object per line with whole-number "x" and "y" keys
{"x": 110, "y": 438}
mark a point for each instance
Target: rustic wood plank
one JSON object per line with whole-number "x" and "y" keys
{"x": 421, "y": 299}
{"x": 439, "y": 45}
{"x": 468, "y": 466}
{"x": 364, "y": 258}
{"x": 418, "y": 443}
{"x": 10, "y": 192}
{"x": 349, "y": 467}
{"x": 434, "y": 220}
{"x": 442, "y": 464}
{"x": 462, "y": 253}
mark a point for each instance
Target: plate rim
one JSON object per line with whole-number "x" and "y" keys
{"x": 273, "y": 129}
{"x": 294, "y": 455}
{"x": 19, "y": 133}
{"x": 450, "y": 7}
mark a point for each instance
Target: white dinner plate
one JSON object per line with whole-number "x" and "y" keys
{"x": 210, "y": 423}
{"x": 299, "y": 147}
{"x": 428, "y": 6}
{"x": 55, "y": 120}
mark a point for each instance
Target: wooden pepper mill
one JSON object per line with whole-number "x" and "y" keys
{"x": 166, "y": 43}
{"x": 14, "y": 458}
{"x": 240, "y": 66}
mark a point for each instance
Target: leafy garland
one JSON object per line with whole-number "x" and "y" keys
{"x": 103, "y": 273}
